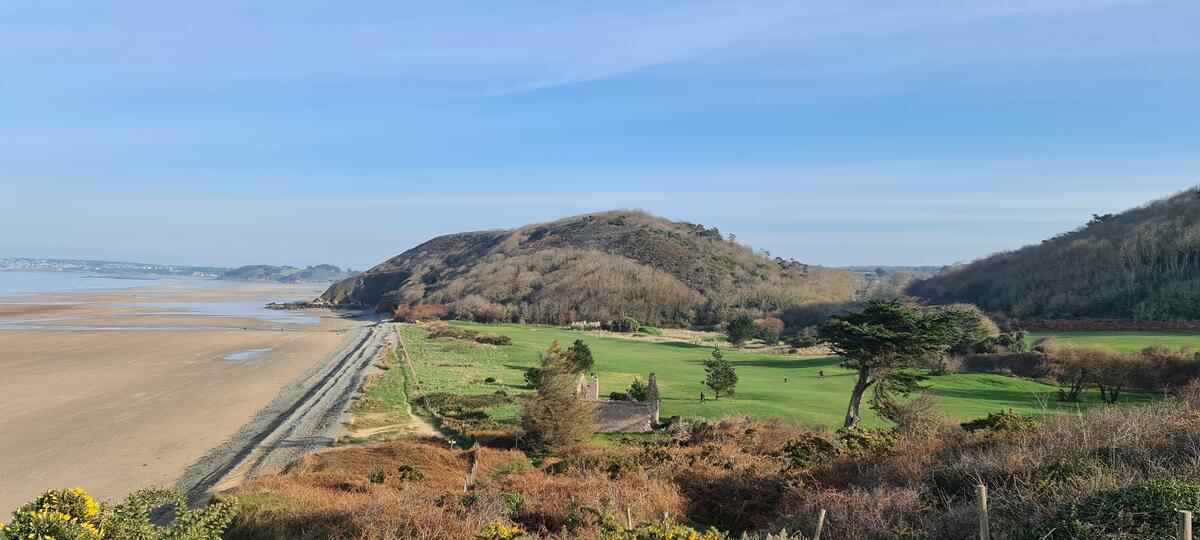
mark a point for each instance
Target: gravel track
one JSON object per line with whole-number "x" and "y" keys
{"x": 304, "y": 417}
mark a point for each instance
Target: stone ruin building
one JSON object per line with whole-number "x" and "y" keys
{"x": 616, "y": 416}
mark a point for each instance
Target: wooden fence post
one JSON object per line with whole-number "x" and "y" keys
{"x": 1185, "y": 525}
{"x": 629, "y": 517}
{"x": 820, "y": 525}
{"x": 981, "y": 496}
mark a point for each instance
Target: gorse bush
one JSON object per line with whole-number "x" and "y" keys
{"x": 73, "y": 515}
{"x": 665, "y": 529}
{"x": 409, "y": 473}
{"x": 625, "y": 324}
{"x": 1146, "y": 510}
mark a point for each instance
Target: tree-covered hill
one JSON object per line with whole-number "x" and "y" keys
{"x": 594, "y": 267}
{"x": 1142, "y": 264}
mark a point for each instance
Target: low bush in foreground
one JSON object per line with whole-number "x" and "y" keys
{"x": 71, "y": 514}
{"x": 1114, "y": 473}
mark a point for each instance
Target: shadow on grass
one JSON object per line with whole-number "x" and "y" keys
{"x": 790, "y": 363}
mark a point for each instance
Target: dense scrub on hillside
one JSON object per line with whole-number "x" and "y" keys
{"x": 1143, "y": 264}
{"x": 1110, "y": 474}
{"x": 594, "y": 267}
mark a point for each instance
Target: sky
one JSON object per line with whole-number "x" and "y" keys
{"x": 833, "y": 132}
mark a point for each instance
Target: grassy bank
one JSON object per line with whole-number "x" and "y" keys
{"x": 464, "y": 368}
{"x": 381, "y": 411}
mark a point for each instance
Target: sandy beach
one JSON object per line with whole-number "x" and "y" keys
{"x": 114, "y": 390}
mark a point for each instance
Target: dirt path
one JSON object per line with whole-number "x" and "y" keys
{"x": 303, "y": 418}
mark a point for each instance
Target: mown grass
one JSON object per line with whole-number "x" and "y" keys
{"x": 461, "y": 367}
{"x": 384, "y": 398}
{"x": 1126, "y": 342}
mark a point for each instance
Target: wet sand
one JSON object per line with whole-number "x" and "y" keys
{"x": 121, "y": 389}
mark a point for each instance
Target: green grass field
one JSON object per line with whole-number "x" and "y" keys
{"x": 462, "y": 367}
{"x": 1126, "y": 342}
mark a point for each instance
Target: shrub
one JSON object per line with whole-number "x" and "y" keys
{"x": 920, "y": 416}
{"x": 1030, "y": 365}
{"x": 804, "y": 341}
{"x": 420, "y": 312}
{"x": 770, "y": 323}
{"x": 860, "y": 442}
{"x": 580, "y": 356}
{"x": 73, "y": 515}
{"x": 409, "y": 473}
{"x": 625, "y": 324}
{"x": 533, "y": 376}
{"x": 768, "y": 335}
{"x": 665, "y": 529}
{"x": 741, "y": 329}
{"x": 442, "y": 330}
{"x": 809, "y": 451}
{"x": 377, "y": 475}
{"x": 1142, "y": 510}
{"x": 637, "y": 390}
{"x": 1006, "y": 342}
{"x": 477, "y": 308}
{"x": 1001, "y": 422}
{"x": 501, "y": 531}
{"x": 943, "y": 364}
{"x": 512, "y": 503}
{"x": 493, "y": 339}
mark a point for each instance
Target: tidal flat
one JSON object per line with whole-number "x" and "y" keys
{"x": 117, "y": 385}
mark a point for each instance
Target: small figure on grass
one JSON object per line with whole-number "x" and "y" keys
{"x": 821, "y": 374}
{"x": 701, "y": 397}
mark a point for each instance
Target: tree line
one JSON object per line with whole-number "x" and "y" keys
{"x": 1143, "y": 264}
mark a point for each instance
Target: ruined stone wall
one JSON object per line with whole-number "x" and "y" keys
{"x": 621, "y": 416}
{"x": 625, "y": 416}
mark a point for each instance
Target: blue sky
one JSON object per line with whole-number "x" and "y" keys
{"x": 834, "y": 132}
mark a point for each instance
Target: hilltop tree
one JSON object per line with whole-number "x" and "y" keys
{"x": 881, "y": 343}
{"x": 580, "y": 356}
{"x": 555, "y": 419}
{"x": 741, "y": 329}
{"x": 721, "y": 377}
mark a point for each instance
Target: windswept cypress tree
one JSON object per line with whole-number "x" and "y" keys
{"x": 555, "y": 419}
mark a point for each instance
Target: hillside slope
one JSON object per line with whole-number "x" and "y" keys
{"x": 593, "y": 267}
{"x": 1142, "y": 264}
{"x": 321, "y": 273}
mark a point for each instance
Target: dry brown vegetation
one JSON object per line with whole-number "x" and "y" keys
{"x": 1154, "y": 369}
{"x": 593, "y": 267}
{"x": 1112, "y": 473}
